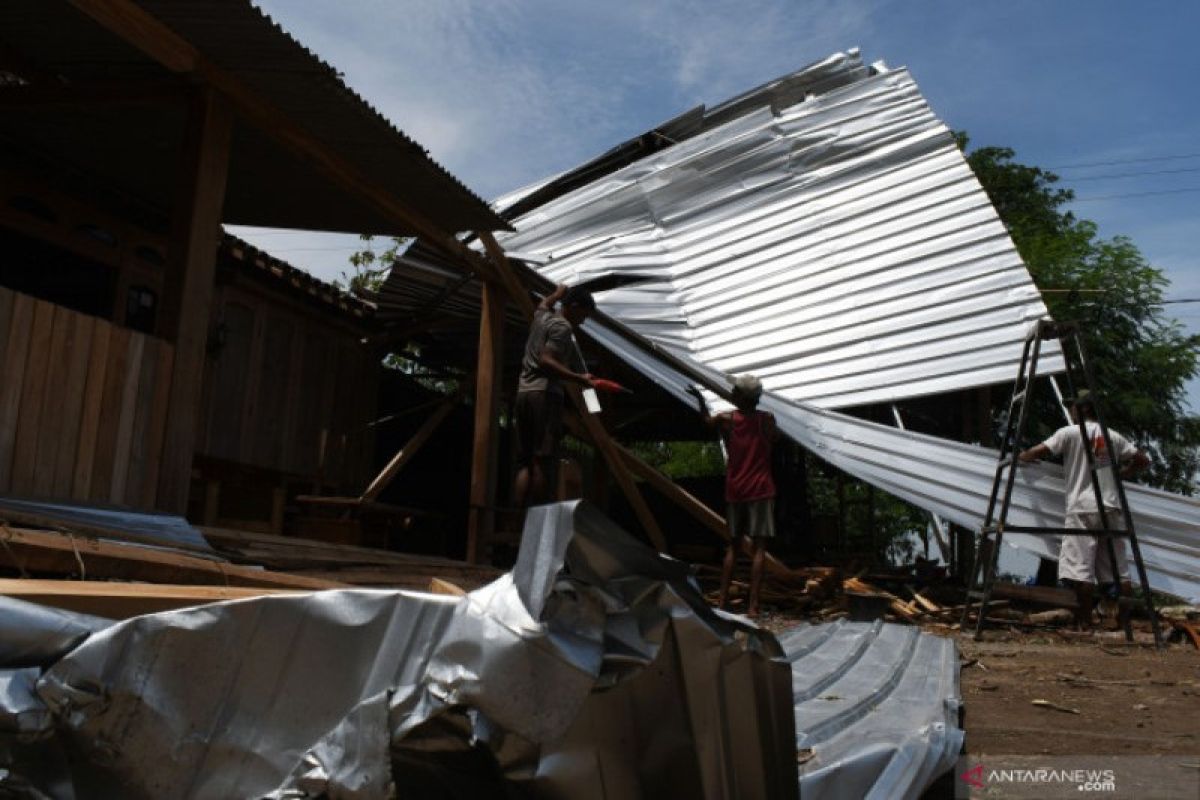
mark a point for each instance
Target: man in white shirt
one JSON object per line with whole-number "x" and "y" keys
{"x": 1084, "y": 560}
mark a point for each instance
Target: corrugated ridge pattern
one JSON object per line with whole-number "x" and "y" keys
{"x": 841, "y": 249}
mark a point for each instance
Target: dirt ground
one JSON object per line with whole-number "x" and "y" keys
{"x": 1130, "y": 699}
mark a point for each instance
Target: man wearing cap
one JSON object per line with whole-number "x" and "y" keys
{"x": 550, "y": 358}
{"x": 1084, "y": 560}
{"x": 749, "y": 485}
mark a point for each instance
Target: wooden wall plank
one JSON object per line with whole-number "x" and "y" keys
{"x": 250, "y": 409}
{"x": 110, "y": 414}
{"x": 275, "y": 384}
{"x": 129, "y": 398}
{"x": 230, "y": 374}
{"x": 74, "y": 391}
{"x": 7, "y": 298}
{"x": 288, "y": 454}
{"x": 93, "y": 401}
{"x": 143, "y": 409}
{"x": 50, "y": 433}
{"x": 15, "y": 358}
{"x": 157, "y": 429}
{"x": 30, "y": 416}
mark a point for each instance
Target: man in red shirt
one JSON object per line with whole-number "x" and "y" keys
{"x": 749, "y": 486}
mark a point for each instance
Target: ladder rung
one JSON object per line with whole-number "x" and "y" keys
{"x": 1018, "y": 397}
{"x": 1007, "y": 461}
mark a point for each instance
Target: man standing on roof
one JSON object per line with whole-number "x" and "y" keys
{"x": 551, "y": 358}
{"x": 1084, "y": 560}
{"x": 749, "y": 485}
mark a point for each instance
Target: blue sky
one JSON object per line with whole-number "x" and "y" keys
{"x": 504, "y": 92}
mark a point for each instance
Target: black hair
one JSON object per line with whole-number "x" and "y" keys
{"x": 582, "y": 298}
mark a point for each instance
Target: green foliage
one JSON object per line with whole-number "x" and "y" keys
{"x": 368, "y": 269}
{"x": 873, "y": 526}
{"x": 682, "y": 459}
{"x": 1141, "y": 358}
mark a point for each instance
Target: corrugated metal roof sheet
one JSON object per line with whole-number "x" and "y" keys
{"x": 877, "y": 703}
{"x": 266, "y": 186}
{"x": 838, "y": 246}
{"x": 951, "y": 479}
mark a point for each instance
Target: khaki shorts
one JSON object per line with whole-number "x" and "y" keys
{"x": 1085, "y": 558}
{"x": 754, "y": 518}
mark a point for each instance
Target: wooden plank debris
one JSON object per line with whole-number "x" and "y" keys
{"x": 64, "y": 554}
{"x": 117, "y": 600}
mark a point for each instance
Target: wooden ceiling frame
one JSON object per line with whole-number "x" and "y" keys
{"x": 141, "y": 30}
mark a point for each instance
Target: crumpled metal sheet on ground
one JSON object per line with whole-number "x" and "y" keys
{"x": 878, "y": 704}
{"x": 595, "y": 670}
{"x": 823, "y": 231}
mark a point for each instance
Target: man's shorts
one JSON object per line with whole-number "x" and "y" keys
{"x": 753, "y": 518}
{"x": 538, "y": 422}
{"x": 1085, "y": 558}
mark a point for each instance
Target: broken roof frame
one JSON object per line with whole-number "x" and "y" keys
{"x": 965, "y": 296}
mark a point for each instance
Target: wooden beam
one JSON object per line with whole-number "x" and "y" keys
{"x": 516, "y": 291}
{"x": 123, "y": 600}
{"x": 143, "y": 31}
{"x": 439, "y": 586}
{"x": 481, "y": 520}
{"x": 410, "y": 449}
{"x": 58, "y": 553}
{"x": 187, "y": 296}
{"x": 616, "y": 465}
{"x": 689, "y": 503}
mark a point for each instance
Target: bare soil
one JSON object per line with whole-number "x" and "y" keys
{"x": 1130, "y": 699}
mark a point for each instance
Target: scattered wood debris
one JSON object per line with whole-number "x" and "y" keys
{"x": 1055, "y": 707}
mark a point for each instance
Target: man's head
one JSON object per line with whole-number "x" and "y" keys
{"x": 577, "y": 304}
{"x": 746, "y": 391}
{"x": 1081, "y": 405}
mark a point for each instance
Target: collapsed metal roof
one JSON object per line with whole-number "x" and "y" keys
{"x": 835, "y": 243}
{"x": 823, "y": 232}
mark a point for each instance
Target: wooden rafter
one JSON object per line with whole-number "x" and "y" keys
{"x": 142, "y": 30}
{"x": 410, "y": 449}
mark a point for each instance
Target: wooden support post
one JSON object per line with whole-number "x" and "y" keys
{"x": 616, "y": 464}
{"x": 192, "y": 256}
{"x": 512, "y": 284}
{"x": 481, "y": 522}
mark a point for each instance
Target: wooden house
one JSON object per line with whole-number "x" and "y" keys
{"x": 148, "y": 360}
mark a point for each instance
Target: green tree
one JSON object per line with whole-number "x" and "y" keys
{"x": 1141, "y": 358}
{"x": 368, "y": 269}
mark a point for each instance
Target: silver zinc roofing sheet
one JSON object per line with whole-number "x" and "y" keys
{"x": 838, "y": 247}
{"x": 877, "y": 708}
{"x": 951, "y": 479}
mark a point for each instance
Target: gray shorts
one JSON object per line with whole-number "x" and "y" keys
{"x": 539, "y": 422}
{"x": 754, "y": 518}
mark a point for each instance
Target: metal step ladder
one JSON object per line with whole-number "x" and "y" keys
{"x": 995, "y": 525}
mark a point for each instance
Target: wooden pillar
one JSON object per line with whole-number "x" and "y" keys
{"x": 188, "y": 288}
{"x": 481, "y": 522}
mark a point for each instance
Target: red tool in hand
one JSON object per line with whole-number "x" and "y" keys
{"x": 612, "y": 387}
